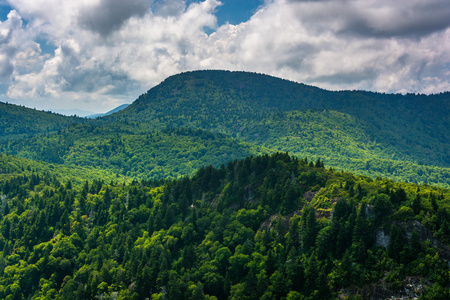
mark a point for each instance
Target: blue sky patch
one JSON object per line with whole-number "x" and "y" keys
{"x": 4, "y": 11}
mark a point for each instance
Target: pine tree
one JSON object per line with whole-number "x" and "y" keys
{"x": 309, "y": 227}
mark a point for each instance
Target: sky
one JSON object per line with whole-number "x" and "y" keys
{"x": 95, "y": 55}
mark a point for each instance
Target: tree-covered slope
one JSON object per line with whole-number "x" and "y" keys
{"x": 403, "y": 137}
{"x": 266, "y": 227}
{"x": 342, "y": 141}
{"x": 16, "y": 121}
{"x": 127, "y": 149}
{"x": 12, "y": 166}
{"x": 268, "y": 111}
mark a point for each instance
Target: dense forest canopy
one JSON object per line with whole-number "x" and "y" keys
{"x": 266, "y": 227}
{"x": 126, "y": 150}
{"x": 237, "y": 103}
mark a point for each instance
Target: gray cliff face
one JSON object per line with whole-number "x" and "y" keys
{"x": 412, "y": 288}
{"x": 425, "y": 234}
{"x": 382, "y": 237}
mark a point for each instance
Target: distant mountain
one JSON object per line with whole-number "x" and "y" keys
{"x": 367, "y": 133}
{"x": 118, "y": 108}
{"x": 73, "y": 112}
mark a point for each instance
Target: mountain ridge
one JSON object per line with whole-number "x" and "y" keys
{"x": 409, "y": 128}
{"x": 404, "y": 137}
{"x": 118, "y": 108}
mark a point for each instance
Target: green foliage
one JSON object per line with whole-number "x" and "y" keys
{"x": 11, "y": 166}
{"x": 197, "y": 238}
{"x": 230, "y": 115}
{"x": 134, "y": 153}
{"x": 16, "y": 121}
{"x": 403, "y": 137}
{"x": 79, "y": 225}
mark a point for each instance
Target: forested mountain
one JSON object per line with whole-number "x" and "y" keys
{"x": 17, "y": 121}
{"x": 266, "y": 227}
{"x": 118, "y": 108}
{"x": 235, "y": 102}
{"x": 404, "y": 137}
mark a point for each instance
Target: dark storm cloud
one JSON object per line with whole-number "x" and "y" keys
{"x": 91, "y": 81}
{"x": 294, "y": 58}
{"x": 7, "y": 52}
{"x": 110, "y": 15}
{"x": 299, "y": 1}
{"x": 6, "y": 67}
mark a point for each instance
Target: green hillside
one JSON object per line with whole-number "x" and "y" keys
{"x": 266, "y": 227}
{"x": 342, "y": 141}
{"x": 17, "y": 121}
{"x": 210, "y": 117}
{"x": 126, "y": 149}
{"x": 11, "y": 167}
{"x": 404, "y": 137}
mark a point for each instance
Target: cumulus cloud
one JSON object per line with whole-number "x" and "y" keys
{"x": 169, "y": 7}
{"x": 8, "y": 43}
{"x": 322, "y": 43}
{"x": 110, "y": 51}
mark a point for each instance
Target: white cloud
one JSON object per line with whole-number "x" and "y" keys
{"x": 314, "y": 42}
{"x": 110, "y": 51}
{"x": 8, "y": 43}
